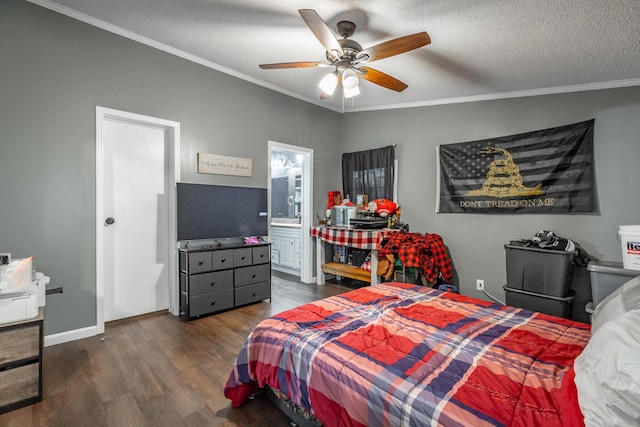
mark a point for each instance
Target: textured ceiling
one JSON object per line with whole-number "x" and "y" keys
{"x": 481, "y": 49}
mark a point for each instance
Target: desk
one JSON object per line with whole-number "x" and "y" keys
{"x": 354, "y": 238}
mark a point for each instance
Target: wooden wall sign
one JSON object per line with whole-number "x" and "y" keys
{"x": 223, "y": 165}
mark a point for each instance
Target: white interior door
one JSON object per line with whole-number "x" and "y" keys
{"x": 306, "y": 262}
{"x": 136, "y": 244}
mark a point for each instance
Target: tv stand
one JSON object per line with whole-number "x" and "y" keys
{"x": 215, "y": 279}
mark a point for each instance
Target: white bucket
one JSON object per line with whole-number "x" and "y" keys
{"x": 630, "y": 242}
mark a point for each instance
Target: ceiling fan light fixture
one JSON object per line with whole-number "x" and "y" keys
{"x": 329, "y": 82}
{"x": 346, "y": 55}
{"x": 350, "y": 79}
{"x": 350, "y": 93}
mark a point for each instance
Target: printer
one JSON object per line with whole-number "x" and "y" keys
{"x": 22, "y": 290}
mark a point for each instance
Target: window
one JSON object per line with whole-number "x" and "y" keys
{"x": 369, "y": 172}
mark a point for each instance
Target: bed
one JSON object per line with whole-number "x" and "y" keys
{"x": 396, "y": 354}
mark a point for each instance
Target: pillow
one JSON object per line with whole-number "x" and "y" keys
{"x": 607, "y": 373}
{"x": 623, "y": 299}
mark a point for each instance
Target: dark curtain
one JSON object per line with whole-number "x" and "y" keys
{"x": 369, "y": 172}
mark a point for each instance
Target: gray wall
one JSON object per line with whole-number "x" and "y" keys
{"x": 476, "y": 242}
{"x": 54, "y": 72}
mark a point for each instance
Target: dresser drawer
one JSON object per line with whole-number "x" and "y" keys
{"x": 252, "y": 293}
{"x": 210, "y": 282}
{"x": 19, "y": 384}
{"x": 199, "y": 262}
{"x": 208, "y": 303}
{"x": 242, "y": 257}
{"x": 18, "y": 344}
{"x": 222, "y": 259}
{"x": 261, "y": 254}
{"x": 253, "y": 274}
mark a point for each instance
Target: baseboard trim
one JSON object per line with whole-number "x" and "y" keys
{"x": 76, "y": 334}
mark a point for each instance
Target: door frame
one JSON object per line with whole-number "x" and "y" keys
{"x": 306, "y": 272}
{"x": 172, "y": 174}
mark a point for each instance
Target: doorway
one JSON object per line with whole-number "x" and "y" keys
{"x": 136, "y": 171}
{"x": 290, "y": 199}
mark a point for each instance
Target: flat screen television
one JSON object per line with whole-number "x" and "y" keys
{"x": 218, "y": 211}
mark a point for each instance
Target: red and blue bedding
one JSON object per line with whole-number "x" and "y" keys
{"x": 404, "y": 355}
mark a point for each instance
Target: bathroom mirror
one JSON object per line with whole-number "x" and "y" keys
{"x": 286, "y": 187}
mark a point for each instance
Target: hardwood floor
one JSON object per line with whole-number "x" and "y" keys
{"x": 155, "y": 370}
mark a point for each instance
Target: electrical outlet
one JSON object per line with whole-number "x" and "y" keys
{"x": 480, "y": 284}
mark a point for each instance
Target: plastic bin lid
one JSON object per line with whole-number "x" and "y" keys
{"x": 535, "y": 249}
{"x": 611, "y": 268}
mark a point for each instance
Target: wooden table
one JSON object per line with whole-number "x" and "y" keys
{"x": 353, "y": 238}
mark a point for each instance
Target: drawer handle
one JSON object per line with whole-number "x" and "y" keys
{"x": 243, "y": 258}
{"x": 213, "y": 302}
{"x": 200, "y": 262}
{"x": 213, "y": 283}
{"x": 224, "y": 259}
{"x": 253, "y": 277}
{"x": 254, "y": 294}
{"x": 261, "y": 255}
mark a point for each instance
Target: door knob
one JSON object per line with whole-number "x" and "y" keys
{"x": 109, "y": 221}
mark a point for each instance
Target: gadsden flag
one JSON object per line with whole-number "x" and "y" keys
{"x": 545, "y": 171}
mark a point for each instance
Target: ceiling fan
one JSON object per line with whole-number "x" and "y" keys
{"x": 347, "y": 57}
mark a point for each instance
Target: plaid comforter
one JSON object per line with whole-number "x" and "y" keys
{"x": 403, "y": 355}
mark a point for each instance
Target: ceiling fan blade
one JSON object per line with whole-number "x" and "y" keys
{"x": 309, "y": 64}
{"x": 320, "y": 29}
{"x": 395, "y": 46}
{"x": 382, "y": 79}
